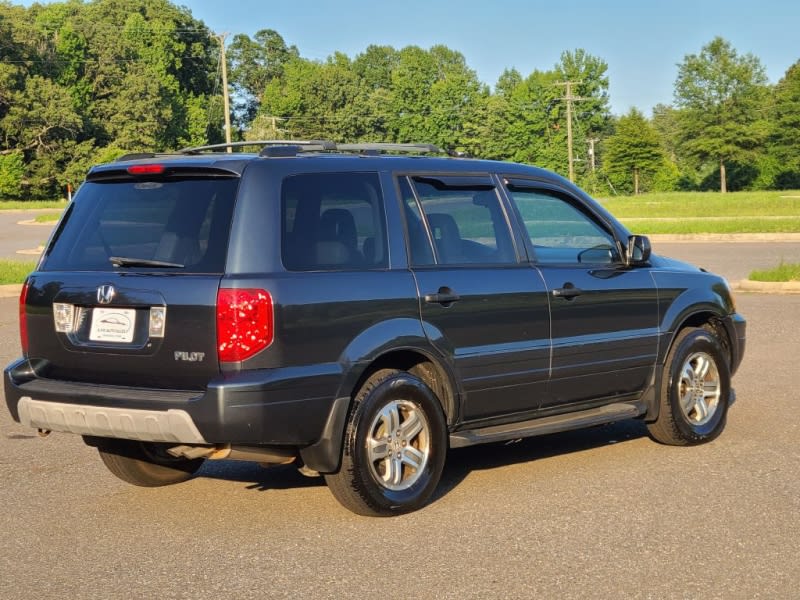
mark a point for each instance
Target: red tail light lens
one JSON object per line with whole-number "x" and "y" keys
{"x": 244, "y": 323}
{"x": 23, "y": 321}
{"x": 146, "y": 169}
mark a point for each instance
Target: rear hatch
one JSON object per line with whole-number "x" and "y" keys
{"x": 126, "y": 291}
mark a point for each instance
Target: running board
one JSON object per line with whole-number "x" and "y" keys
{"x": 545, "y": 425}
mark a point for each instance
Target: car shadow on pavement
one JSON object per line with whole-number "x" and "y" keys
{"x": 256, "y": 477}
{"x": 463, "y": 461}
{"x": 460, "y": 462}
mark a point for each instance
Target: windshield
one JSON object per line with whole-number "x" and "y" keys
{"x": 176, "y": 224}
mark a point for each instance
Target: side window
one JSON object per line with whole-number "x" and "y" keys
{"x": 560, "y": 232}
{"x": 332, "y": 221}
{"x": 465, "y": 221}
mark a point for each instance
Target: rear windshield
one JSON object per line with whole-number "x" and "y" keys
{"x": 182, "y": 222}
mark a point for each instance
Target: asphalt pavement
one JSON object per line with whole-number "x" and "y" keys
{"x": 600, "y": 513}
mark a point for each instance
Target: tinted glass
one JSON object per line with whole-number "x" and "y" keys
{"x": 333, "y": 221}
{"x": 560, "y": 232}
{"x": 466, "y": 222}
{"x": 419, "y": 245}
{"x": 185, "y": 222}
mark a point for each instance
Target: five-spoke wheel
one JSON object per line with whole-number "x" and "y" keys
{"x": 394, "y": 446}
{"x": 694, "y": 391}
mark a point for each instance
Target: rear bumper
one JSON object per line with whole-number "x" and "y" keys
{"x": 263, "y": 407}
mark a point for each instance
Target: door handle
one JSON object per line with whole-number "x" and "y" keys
{"x": 568, "y": 292}
{"x": 445, "y": 296}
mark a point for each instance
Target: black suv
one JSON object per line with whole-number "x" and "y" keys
{"x": 357, "y": 310}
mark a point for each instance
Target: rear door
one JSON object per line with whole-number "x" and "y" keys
{"x": 481, "y": 304}
{"x": 604, "y": 314}
{"x": 126, "y": 292}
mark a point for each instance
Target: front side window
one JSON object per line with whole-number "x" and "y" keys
{"x": 465, "y": 221}
{"x": 560, "y": 232}
{"x": 332, "y": 221}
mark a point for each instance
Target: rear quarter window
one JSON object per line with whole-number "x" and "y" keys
{"x": 333, "y": 221}
{"x": 185, "y": 222}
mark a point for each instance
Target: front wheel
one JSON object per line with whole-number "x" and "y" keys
{"x": 145, "y": 464}
{"x": 694, "y": 391}
{"x": 394, "y": 447}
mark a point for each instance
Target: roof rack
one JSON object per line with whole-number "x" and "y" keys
{"x": 303, "y": 145}
{"x": 379, "y": 147}
{"x": 275, "y": 148}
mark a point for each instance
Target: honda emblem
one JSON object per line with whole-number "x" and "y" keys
{"x": 105, "y": 293}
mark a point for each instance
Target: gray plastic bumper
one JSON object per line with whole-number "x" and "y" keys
{"x": 145, "y": 425}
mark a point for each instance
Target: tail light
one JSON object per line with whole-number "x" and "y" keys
{"x": 244, "y": 323}
{"x": 23, "y": 321}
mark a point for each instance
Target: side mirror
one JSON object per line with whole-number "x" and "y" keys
{"x": 638, "y": 250}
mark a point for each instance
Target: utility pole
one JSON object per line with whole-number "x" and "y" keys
{"x": 225, "y": 99}
{"x": 569, "y": 99}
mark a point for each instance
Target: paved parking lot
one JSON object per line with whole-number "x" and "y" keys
{"x": 603, "y": 513}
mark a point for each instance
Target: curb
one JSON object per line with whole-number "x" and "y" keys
{"x": 11, "y": 290}
{"x": 773, "y": 287}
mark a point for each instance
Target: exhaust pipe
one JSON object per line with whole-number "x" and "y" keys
{"x": 267, "y": 456}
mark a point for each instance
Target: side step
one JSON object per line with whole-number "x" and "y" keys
{"x": 546, "y": 425}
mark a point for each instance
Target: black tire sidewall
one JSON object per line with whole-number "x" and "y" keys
{"x": 698, "y": 340}
{"x": 406, "y": 387}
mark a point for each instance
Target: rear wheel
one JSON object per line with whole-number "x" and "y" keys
{"x": 146, "y": 464}
{"x": 394, "y": 447}
{"x": 694, "y": 391}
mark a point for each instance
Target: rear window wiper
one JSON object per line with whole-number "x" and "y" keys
{"x": 123, "y": 261}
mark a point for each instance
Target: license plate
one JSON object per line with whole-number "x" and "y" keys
{"x": 112, "y": 325}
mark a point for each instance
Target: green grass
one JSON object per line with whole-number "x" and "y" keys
{"x": 30, "y": 204}
{"x": 48, "y": 217}
{"x": 705, "y": 204}
{"x": 700, "y": 225}
{"x": 783, "y": 272}
{"x": 15, "y": 271}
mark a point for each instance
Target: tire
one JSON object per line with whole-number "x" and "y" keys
{"x": 145, "y": 464}
{"x": 394, "y": 448}
{"x": 695, "y": 390}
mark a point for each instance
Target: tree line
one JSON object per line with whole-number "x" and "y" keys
{"x": 85, "y": 82}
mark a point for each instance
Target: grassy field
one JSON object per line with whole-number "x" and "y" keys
{"x": 50, "y": 217}
{"x": 31, "y": 204}
{"x": 782, "y": 203}
{"x": 14, "y": 271}
{"x": 708, "y": 212}
{"x": 783, "y": 272}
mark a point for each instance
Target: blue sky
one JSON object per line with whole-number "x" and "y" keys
{"x": 642, "y": 41}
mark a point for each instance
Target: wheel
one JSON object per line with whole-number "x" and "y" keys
{"x": 694, "y": 391}
{"x": 394, "y": 447}
{"x": 146, "y": 464}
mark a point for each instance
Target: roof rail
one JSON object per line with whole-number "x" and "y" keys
{"x": 301, "y": 145}
{"x": 380, "y": 147}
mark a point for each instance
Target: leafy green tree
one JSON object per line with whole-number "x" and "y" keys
{"x": 785, "y": 147}
{"x": 319, "y": 100}
{"x": 720, "y": 94}
{"x": 634, "y": 151}
{"x": 12, "y": 169}
{"x": 254, "y": 64}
